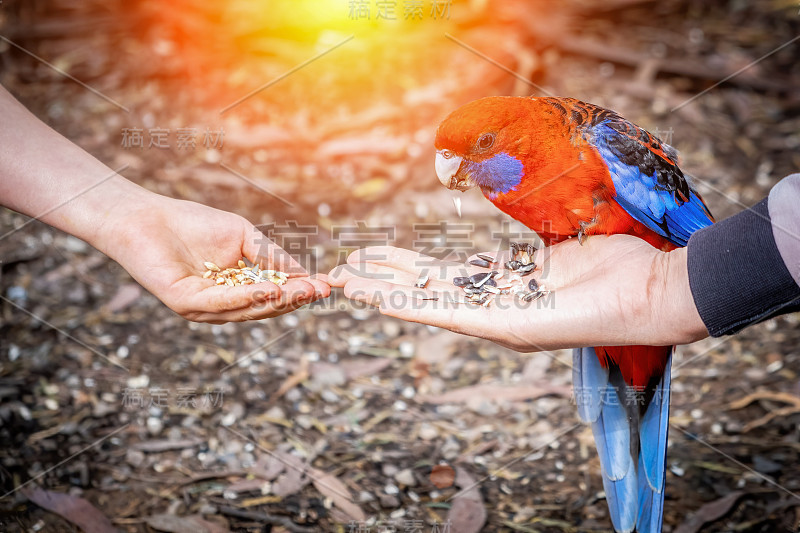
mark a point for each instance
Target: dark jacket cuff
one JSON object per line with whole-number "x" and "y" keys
{"x": 737, "y": 275}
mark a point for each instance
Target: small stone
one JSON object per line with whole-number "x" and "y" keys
{"x": 389, "y": 469}
{"x": 406, "y": 477}
{"x": 329, "y": 396}
{"x": 13, "y": 352}
{"x": 154, "y": 425}
{"x": 207, "y": 509}
{"x": 365, "y": 497}
{"x": 294, "y": 395}
{"x": 391, "y": 489}
{"x": 407, "y": 349}
{"x": 331, "y": 376}
{"x": 75, "y": 245}
{"x": 450, "y": 449}
{"x": 135, "y": 458}
{"x": 483, "y": 407}
{"x": 389, "y": 501}
{"x": 275, "y": 412}
{"x": 138, "y": 382}
{"x": 391, "y": 328}
{"x": 427, "y": 432}
{"x": 304, "y": 421}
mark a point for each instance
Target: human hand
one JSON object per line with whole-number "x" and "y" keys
{"x": 163, "y": 244}
{"x": 609, "y": 291}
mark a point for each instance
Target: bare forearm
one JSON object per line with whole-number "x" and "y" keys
{"x": 44, "y": 175}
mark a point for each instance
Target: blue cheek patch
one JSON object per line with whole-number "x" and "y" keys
{"x": 497, "y": 175}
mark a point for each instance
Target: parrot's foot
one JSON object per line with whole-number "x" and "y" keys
{"x": 582, "y": 235}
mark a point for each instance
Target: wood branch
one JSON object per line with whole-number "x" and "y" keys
{"x": 681, "y": 67}
{"x": 266, "y": 518}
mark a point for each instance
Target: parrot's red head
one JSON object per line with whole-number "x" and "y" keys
{"x": 483, "y": 144}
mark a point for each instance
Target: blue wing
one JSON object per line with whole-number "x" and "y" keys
{"x": 649, "y": 185}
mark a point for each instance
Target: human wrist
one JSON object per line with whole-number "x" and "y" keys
{"x": 110, "y": 209}
{"x": 680, "y": 315}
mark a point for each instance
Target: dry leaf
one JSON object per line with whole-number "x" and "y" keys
{"x": 364, "y": 367}
{"x": 171, "y": 523}
{"x": 329, "y": 486}
{"x": 710, "y": 512}
{"x": 496, "y": 392}
{"x": 292, "y": 381}
{"x": 77, "y": 510}
{"x": 443, "y": 476}
{"x": 295, "y": 477}
{"x": 125, "y": 296}
{"x": 164, "y": 445}
{"x": 467, "y": 514}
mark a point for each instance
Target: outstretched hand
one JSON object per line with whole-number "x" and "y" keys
{"x": 164, "y": 245}
{"x": 609, "y": 291}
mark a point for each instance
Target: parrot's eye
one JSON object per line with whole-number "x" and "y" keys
{"x": 447, "y": 154}
{"x": 486, "y": 141}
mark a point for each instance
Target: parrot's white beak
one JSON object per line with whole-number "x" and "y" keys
{"x": 447, "y": 166}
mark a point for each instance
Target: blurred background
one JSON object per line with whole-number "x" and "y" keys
{"x": 315, "y": 119}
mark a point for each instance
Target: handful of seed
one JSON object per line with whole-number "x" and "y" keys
{"x": 244, "y": 275}
{"x": 484, "y": 287}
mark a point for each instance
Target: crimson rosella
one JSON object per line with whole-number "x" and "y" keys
{"x": 566, "y": 168}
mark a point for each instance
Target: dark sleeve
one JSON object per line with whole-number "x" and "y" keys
{"x": 737, "y": 274}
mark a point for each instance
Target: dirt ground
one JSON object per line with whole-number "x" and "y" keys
{"x": 334, "y": 418}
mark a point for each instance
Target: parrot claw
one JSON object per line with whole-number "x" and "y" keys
{"x": 582, "y": 235}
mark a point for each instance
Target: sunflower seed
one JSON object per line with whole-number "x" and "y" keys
{"x": 513, "y": 265}
{"x": 535, "y": 295}
{"x": 480, "y": 263}
{"x": 479, "y": 279}
{"x": 489, "y": 288}
{"x": 485, "y": 257}
{"x": 461, "y": 281}
{"x": 533, "y": 285}
{"x": 526, "y": 269}
{"x": 490, "y": 282}
{"x": 211, "y": 266}
{"x": 242, "y": 264}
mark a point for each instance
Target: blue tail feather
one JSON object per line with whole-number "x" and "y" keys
{"x": 632, "y": 449}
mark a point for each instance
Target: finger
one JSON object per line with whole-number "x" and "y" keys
{"x": 419, "y": 305}
{"x": 322, "y": 289}
{"x": 409, "y": 261}
{"x": 263, "y": 252}
{"x": 254, "y": 313}
{"x": 222, "y": 298}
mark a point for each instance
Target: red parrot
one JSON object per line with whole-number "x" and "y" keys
{"x": 566, "y": 168}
